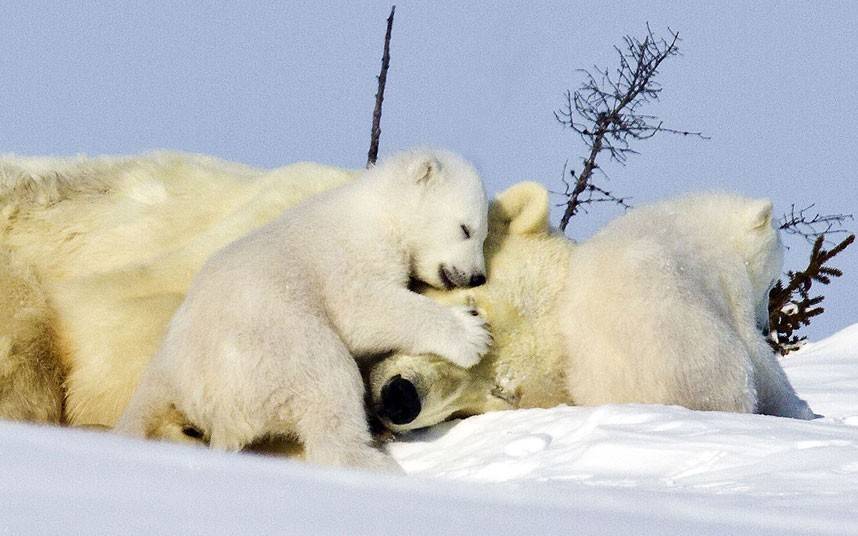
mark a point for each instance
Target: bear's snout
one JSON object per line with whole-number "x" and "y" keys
{"x": 452, "y": 277}
{"x": 400, "y": 403}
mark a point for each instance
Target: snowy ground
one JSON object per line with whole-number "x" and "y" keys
{"x": 602, "y": 470}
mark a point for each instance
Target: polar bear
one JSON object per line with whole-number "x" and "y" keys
{"x": 266, "y": 341}
{"x": 665, "y": 305}
{"x": 671, "y": 307}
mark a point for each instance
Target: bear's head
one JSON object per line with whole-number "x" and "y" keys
{"x": 526, "y": 268}
{"x": 763, "y": 253}
{"x": 442, "y": 216}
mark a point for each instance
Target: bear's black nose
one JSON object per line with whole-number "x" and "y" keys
{"x": 477, "y": 280}
{"x": 399, "y": 400}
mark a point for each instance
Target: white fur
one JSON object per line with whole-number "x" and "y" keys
{"x": 668, "y": 302}
{"x": 266, "y": 340}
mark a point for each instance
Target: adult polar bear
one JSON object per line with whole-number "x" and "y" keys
{"x": 97, "y": 253}
{"x": 266, "y": 342}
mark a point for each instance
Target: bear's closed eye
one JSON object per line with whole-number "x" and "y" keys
{"x": 190, "y": 431}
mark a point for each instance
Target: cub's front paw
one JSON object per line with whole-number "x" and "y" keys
{"x": 473, "y": 341}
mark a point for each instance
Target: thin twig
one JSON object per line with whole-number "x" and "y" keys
{"x": 800, "y": 223}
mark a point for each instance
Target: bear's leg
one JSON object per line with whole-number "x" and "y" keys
{"x": 775, "y": 394}
{"x": 411, "y": 323}
{"x": 31, "y": 375}
{"x": 326, "y": 410}
{"x": 151, "y": 413}
{"x": 172, "y": 425}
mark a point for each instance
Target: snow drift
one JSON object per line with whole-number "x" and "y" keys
{"x": 629, "y": 469}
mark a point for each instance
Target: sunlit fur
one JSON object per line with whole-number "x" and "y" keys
{"x": 97, "y": 253}
{"x": 31, "y": 375}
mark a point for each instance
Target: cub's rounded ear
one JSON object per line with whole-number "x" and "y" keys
{"x": 524, "y": 206}
{"x": 424, "y": 170}
{"x": 760, "y": 214}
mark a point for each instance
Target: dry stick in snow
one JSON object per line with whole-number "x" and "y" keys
{"x": 604, "y": 113}
{"x": 372, "y": 156}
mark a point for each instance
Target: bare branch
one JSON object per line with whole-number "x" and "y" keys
{"x": 372, "y": 155}
{"x": 590, "y": 194}
{"x": 604, "y": 113}
{"x": 801, "y": 223}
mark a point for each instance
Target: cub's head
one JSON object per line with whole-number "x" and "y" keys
{"x": 736, "y": 227}
{"x": 763, "y": 253}
{"x": 415, "y": 391}
{"x": 443, "y": 213}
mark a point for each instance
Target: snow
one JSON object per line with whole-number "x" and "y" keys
{"x": 625, "y": 469}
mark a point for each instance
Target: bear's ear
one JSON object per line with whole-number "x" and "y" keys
{"x": 760, "y": 214}
{"x": 524, "y": 206}
{"x": 424, "y": 170}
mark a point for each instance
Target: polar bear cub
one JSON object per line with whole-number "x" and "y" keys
{"x": 670, "y": 304}
{"x": 267, "y": 339}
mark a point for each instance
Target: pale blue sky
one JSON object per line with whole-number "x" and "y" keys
{"x": 773, "y": 84}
